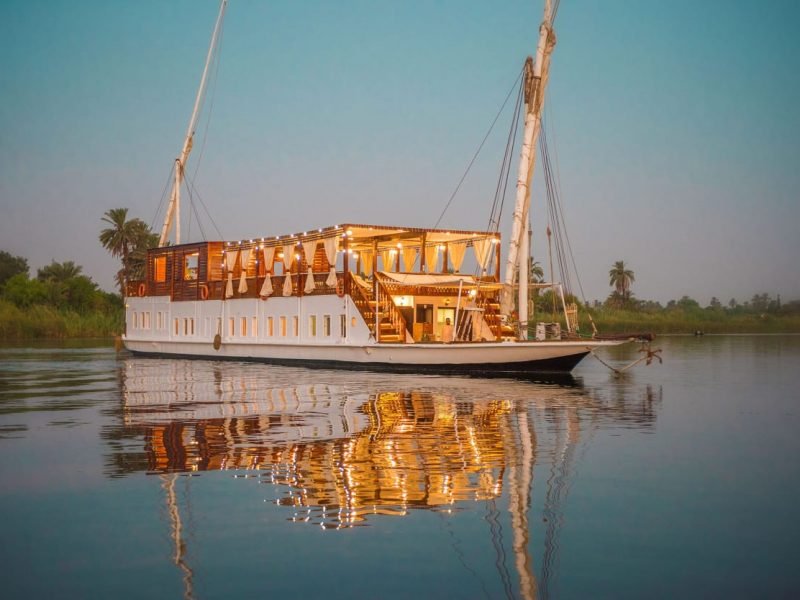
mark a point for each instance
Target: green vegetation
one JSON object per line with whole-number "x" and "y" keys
{"x": 127, "y": 240}
{"x": 60, "y": 302}
{"x": 687, "y": 316}
{"x": 621, "y": 279}
{"x": 621, "y": 312}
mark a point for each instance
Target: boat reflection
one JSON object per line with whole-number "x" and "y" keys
{"x": 343, "y": 448}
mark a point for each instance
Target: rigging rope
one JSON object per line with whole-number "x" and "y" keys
{"x": 475, "y": 156}
{"x": 501, "y": 189}
{"x": 170, "y": 177}
{"x": 216, "y": 61}
{"x": 193, "y": 190}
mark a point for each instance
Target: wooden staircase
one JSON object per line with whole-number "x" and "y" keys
{"x": 493, "y": 317}
{"x": 391, "y": 324}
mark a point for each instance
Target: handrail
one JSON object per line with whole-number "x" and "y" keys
{"x": 483, "y": 301}
{"x": 387, "y": 305}
{"x": 361, "y": 302}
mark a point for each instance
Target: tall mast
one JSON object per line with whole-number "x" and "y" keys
{"x": 536, "y": 75}
{"x": 174, "y": 209}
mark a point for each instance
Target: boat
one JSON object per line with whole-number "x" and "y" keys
{"x": 359, "y": 296}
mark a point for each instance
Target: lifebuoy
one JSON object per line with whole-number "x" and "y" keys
{"x": 340, "y": 288}
{"x": 141, "y": 289}
{"x": 204, "y": 292}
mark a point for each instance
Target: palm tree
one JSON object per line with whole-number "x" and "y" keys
{"x": 59, "y": 272}
{"x": 621, "y": 278}
{"x": 144, "y": 239}
{"x": 127, "y": 240}
{"x": 536, "y": 273}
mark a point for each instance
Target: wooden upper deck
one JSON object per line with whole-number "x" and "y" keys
{"x": 202, "y": 270}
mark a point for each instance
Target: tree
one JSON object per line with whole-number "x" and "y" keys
{"x": 536, "y": 273}
{"x": 11, "y": 265}
{"x": 24, "y": 292}
{"x": 137, "y": 259}
{"x": 687, "y": 304}
{"x": 59, "y": 272}
{"x": 621, "y": 279}
{"x": 127, "y": 240}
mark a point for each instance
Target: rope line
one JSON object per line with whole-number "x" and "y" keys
{"x": 477, "y": 152}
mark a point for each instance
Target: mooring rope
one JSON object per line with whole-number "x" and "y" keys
{"x": 649, "y": 356}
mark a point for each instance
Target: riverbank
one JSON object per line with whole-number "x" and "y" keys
{"x": 46, "y": 322}
{"x": 623, "y": 321}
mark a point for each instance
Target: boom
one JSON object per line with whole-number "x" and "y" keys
{"x": 174, "y": 208}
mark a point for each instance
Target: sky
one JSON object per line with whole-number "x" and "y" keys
{"x": 674, "y": 127}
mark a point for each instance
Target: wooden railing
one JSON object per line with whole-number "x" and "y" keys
{"x": 388, "y": 311}
{"x": 215, "y": 290}
{"x": 362, "y": 302}
{"x": 491, "y": 313}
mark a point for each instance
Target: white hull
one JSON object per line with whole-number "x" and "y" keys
{"x": 352, "y": 348}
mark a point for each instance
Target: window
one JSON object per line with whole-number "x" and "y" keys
{"x": 191, "y": 325}
{"x": 159, "y": 320}
{"x": 270, "y": 327}
{"x": 146, "y": 320}
{"x": 185, "y": 326}
{"x": 343, "y": 325}
{"x": 295, "y": 326}
{"x": 254, "y": 327}
{"x": 177, "y": 326}
{"x": 231, "y": 326}
{"x": 135, "y": 320}
{"x": 160, "y": 268}
{"x": 312, "y": 325}
{"x": 219, "y": 326}
{"x": 243, "y": 322}
{"x": 326, "y": 326}
{"x": 283, "y": 326}
{"x": 190, "y": 262}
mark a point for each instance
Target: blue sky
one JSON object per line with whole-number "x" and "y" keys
{"x": 675, "y": 125}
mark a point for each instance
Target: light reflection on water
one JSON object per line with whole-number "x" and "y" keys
{"x": 123, "y": 477}
{"x": 331, "y": 449}
{"x": 350, "y": 446}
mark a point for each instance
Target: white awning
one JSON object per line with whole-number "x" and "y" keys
{"x": 431, "y": 279}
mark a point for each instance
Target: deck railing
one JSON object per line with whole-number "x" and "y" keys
{"x": 215, "y": 290}
{"x": 388, "y": 314}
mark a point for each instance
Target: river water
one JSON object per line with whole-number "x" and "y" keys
{"x": 128, "y": 478}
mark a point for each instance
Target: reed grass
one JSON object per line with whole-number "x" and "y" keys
{"x": 46, "y": 322}
{"x": 706, "y": 321}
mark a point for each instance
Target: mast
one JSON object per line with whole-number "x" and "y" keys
{"x": 174, "y": 209}
{"x": 535, "y": 82}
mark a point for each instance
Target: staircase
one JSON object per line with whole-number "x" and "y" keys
{"x": 391, "y": 324}
{"x": 493, "y": 317}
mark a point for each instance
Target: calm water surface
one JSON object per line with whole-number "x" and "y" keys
{"x": 129, "y": 478}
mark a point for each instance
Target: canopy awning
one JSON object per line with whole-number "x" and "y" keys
{"x": 437, "y": 279}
